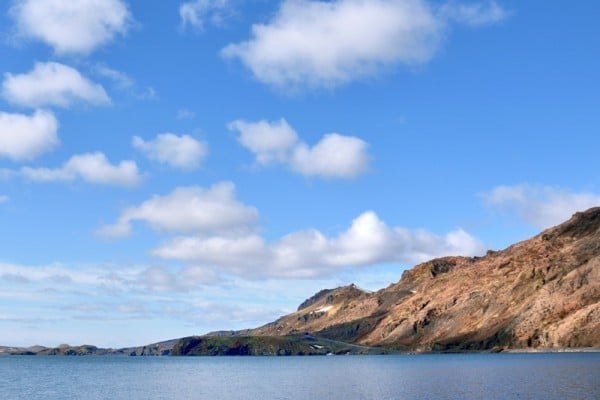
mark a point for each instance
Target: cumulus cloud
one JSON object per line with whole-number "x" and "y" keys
{"x": 24, "y": 137}
{"x": 269, "y": 141}
{"x": 90, "y": 167}
{"x": 182, "y": 152}
{"x": 189, "y": 209}
{"x": 307, "y": 254}
{"x": 195, "y": 13}
{"x": 71, "y": 26}
{"x": 541, "y": 206}
{"x": 329, "y": 43}
{"x": 334, "y": 156}
{"x": 52, "y": 84}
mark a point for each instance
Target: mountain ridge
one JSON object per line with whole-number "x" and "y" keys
{"x": 541, "y": 292}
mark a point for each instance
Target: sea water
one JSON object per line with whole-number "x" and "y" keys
{"x": 436, "y": 376}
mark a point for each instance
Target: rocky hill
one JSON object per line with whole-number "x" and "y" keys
{"x": 290, "y": 345}
{"x": 540, "y": 293}
{"x": 154, "y": 349}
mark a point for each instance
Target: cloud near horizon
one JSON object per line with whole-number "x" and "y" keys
{"x": 52, "y": 84}
{"x": 539, "y": 205}
{"x": 71, "y": 27}
{"x": 318, "y": 44}
{"x": 334, "y": 156}
{"x": 310, "y": 254}
{"x": 220, "y": 235}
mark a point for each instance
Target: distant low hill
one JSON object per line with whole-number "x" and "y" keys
{"x": 539, "y": 294}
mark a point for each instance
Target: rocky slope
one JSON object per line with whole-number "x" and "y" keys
{"x": 541, "y": 293}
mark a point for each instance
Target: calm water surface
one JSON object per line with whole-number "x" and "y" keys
{"x": 447, "y": 376}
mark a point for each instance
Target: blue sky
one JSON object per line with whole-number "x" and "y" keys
{"x": 171, "y": 168}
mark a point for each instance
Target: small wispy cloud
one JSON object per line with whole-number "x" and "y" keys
{"x": 541, "y": 206}
{"x": 123, "y": 80}
{"x": 196, "y": 14}
{"x": 184, "y": 113}
{"x": 474, "y": 14}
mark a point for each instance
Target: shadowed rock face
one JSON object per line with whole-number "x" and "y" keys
{"x": 540, "y": 293}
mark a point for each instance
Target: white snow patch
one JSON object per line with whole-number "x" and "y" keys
{"x": 323, "y": 309}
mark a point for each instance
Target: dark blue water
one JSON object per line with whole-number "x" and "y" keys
{"x": 456, "y": 376}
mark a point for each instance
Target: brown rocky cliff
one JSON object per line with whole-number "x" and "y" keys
{"x": 540, "y": 293}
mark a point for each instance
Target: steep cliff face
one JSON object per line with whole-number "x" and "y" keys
{"x": 541, "y": 293}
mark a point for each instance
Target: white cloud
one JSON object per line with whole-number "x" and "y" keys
{"x": 90, "y": 167}
{"x": 324, "y": 44}
{"x": 269, "y": 141}
{"x": 23, "y": 137}
{"x": 539, "y": 205}
{"x": 189, "y": 209}
{"x": 196, "y": 13}
{"x": 77, "y": 26}
{"x": 334, "y": 156}
{"x": 51, "y": 84}
{"x": 4, "y": 198}
{"x": 182, "y": 152}
{"x": 310, "y": 253}
{"x": 474, "y": 14}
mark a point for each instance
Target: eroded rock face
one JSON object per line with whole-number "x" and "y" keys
{"x": 540, "y": 293}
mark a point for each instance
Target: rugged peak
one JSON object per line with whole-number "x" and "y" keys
{"x": 329, "y": 296}
{"x": 585, "y": 223}
{"x": 314, "y": 298}
{"x": 433, "y": 268}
